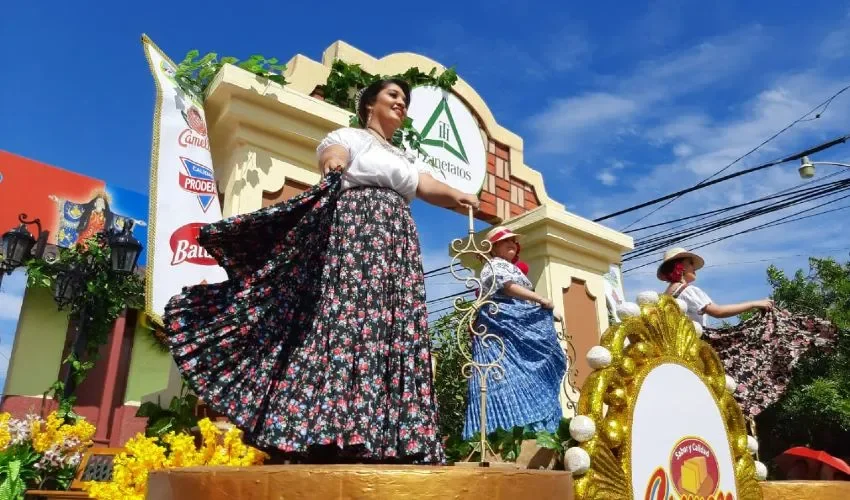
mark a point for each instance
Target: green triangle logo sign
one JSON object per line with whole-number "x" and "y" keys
{"x": 440, "y": 131}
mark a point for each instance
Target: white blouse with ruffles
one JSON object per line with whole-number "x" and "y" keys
{"x": 503, "y": 273}
{"x": 373, "y": 163}
{"x": 696, "y": 299}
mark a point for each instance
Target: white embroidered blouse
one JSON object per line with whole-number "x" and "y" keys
{"x": 373, "y": 163}
{"x": 502, "y": 273}
{"x": 696, "y": 299}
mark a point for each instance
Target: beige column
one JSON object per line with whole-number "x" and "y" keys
{"x": 263, "y": 137}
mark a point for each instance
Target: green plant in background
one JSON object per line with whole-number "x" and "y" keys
{"x": 195, "y": 73}
{"x": 345, "y": 80}
{"x": 450, "y": 385}
{"x": 815, "y": 409}
{"x": 103, "y": 297}
{"x": 507, "y": 444}
{"x": 178, "y": 417}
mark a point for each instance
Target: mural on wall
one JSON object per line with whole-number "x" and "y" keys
{"x": 72, "y": 207}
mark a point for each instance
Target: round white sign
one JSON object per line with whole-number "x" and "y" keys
{"x": 450, "y": 137}
{"x": 679, "y": 443}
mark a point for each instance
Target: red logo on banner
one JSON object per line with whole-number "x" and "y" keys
{"x": 196, "y": 134}
{"x": 185, "y": 247}
{"x": 195, "y": 121}
{"x": 197, "y": 186}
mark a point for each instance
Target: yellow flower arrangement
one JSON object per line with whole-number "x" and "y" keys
{"x": 48, "y": 451}
{"x": 145, "y": 454}
{"x": 46, "y": 434}
{"x": 5, "y": 434}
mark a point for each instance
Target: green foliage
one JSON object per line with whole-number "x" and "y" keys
{"x": 449, "y": 384}
{"x": 345, "y": 80}
{"x": 179, "y": 417}
{"x": 558, "y": 441}
{"x": 17, "y": 469}
{"x": 507, "y": 444}
{"x": 104, "y": 296}
{"x": 815, "y": 410}
{"x": 195, "y": 73}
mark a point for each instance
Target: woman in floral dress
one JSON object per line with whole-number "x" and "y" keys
{"x": 534, "y": 363}
{"x": 760, "y": 352}
{"x": 317, "y": 344}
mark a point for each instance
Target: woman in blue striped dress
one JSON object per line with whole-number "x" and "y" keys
{"x": 534, "y": 362}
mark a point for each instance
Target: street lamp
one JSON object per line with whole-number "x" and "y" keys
{"x": 807, "y": 167}
{"x": 125, "y": 249}
{"x": 18, "y": 245}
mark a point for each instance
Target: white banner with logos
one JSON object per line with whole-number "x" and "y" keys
{"x": 451, "y": 137}
{"x": 183, "y": 193}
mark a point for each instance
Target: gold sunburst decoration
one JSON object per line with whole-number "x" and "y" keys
{"x": 654, "y": 333}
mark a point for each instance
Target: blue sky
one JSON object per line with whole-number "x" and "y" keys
{"x": 618, "y": 102}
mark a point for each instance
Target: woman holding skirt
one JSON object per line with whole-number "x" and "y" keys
{"x": 317, "y": 345}
{"x": 534, "y": 362}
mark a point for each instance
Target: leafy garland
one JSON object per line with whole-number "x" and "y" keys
{"x": 345, "y": 80}
{"x": 104, "y": 296}
{"x": 195, "y": 74}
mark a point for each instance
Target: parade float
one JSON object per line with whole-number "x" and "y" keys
{"x": 655, "y": 416}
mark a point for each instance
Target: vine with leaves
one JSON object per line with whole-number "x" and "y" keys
{"x": 345, "y": 80}
{"x": 102, "y": 297}
{"x": 195, "y": 73}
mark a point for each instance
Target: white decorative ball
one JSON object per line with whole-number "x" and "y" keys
{"x": 731, "y": 385}
{"x": 577, "y": 460}
{"x": 698, "y": 328}
{"x": 752, "y": 445}
{"x": 683, "y": 306}
{"x": 761, "y": 471}
{"x": 582, "y": 428}
{"x": 628, "y": 310}
{"x": 598, "y": 357}
{"x": 648, "y": 297}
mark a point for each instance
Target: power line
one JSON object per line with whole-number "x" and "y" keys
{"x": 651, "y": 244}
{"x": 458, "y": 294}
{"x": 776, "y": 222}
{"x": 825, "y": 105}
{"x": 769, "y": 259}
{"x": 705, "y": 184}
{"x": 432, "y": 271}
{"x": 732, "y": 207}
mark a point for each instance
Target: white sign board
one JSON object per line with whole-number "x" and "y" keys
{"x": 183, "y": 194}
{"x": 679, "y": 444}
{"x": 450, "y": 137}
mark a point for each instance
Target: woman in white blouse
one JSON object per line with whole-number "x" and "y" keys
{"x": 317, "y": 346}
{"x": 679, "y": 269}
{"x": 533, "y": 361}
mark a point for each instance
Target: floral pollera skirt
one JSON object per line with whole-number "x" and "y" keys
{"x": 317, "y": 344}
{"x": 760, "y": 353}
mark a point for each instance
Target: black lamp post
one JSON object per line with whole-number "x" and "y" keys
{"x": 17, "y": 248}
{"x": 125, "y": 249}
